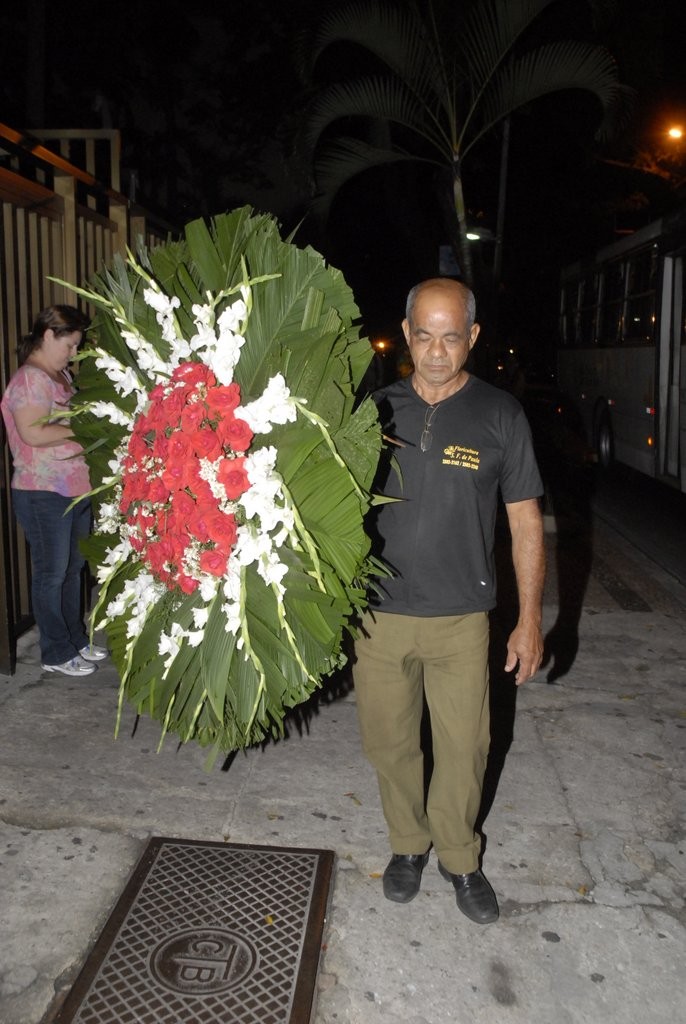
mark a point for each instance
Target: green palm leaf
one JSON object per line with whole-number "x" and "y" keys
{"x": 385, "y": 99}
{"x": 397, "y": 36}
{"x": 345, "y": 158}
{"x": 549, "y": 68}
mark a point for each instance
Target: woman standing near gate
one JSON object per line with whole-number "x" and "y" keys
{"x": 49, "y": 472}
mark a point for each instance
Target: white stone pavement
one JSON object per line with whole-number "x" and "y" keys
{"x": 585, "y": 836}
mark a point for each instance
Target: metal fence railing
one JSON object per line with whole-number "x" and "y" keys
{"x": 57, "y": 220}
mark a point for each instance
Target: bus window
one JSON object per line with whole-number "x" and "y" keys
{"x": 612, "y": 305}
{"x": 568, "y": 314}
{"x": 639, "y": 321}
{"x": 588, "y": 311}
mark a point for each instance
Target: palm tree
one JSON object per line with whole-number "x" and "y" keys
{"x": 449, "y": 73}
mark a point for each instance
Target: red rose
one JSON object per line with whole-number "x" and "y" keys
{"x": 175, "y": 403}
{"x": 160, "y": 447}
{"x": 138, "y": 448}
{"x": 180, "y": 447}
{"x": 137, "y": 542}
{"x": 235, "y": 434}
{"x": 214, "y": 561}
{"x": 192, "y": 417}
{"x": 194, "y": 373}
{"x": 233, "y": 477}
{"x": 142, "y": 426}
{"x": 173, "y": 528}
{"x": 135, "y": 489}
{"x": 222, "y": 529}
{"x": 197, "y": 525}
{"x": 206, "y": 444}
{"x": 157, "y": 492}
{"x": 183, "y": 504}
{"x": 223, "y": 400}
{"x": 202, "y": 492}
{"x": 186, "y": 583}
{"x": 159, "y": 555}
{"x": 179, "y": 475}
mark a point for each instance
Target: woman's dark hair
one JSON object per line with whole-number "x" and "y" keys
{"x": 60, "y": 319}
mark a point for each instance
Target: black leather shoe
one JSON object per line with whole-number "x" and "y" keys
{"x": 475, "y": 898}
{"x": 402, "y": 877}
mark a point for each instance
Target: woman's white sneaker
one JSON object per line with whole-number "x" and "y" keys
{"x": 93, "y": 653}
{"x": 76, "y": 666}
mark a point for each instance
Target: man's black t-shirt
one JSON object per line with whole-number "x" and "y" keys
{"x": 438, "y": 541}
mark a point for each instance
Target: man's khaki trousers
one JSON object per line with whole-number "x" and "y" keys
{"x": 399, "y": 659}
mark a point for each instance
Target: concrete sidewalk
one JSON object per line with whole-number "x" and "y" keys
{"x": 585, "y": 840}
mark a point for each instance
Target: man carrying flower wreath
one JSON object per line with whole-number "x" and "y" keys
{"x": 458, "y": 443}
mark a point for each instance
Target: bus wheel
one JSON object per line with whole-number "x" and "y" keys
{"x": 605, "y": 443}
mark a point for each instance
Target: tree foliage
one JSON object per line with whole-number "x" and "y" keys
{"x": 440, "y": 77}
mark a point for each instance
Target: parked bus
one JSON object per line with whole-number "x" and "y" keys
{"x": 621, "y": 360}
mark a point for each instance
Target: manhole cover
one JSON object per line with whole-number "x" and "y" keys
{"x": 209, "y": 933}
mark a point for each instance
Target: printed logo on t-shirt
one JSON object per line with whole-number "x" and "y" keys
{"x": 459, "y": 455}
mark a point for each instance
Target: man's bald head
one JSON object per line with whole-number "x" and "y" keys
{"x": 449, "y": 287}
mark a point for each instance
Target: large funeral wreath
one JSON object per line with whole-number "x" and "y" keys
{"x": 231, "y": 472}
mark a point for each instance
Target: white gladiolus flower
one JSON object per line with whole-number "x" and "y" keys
{"x": 204, "y": 338}
{"x": 124, "y": 378}
{"x": 223, "y": 359}
{"x": 251, "y": 545}
{"x": 259, "y": 505}
{"x": 259, "y": 501}
{"x": 232, "y": 584}
{"x": 160, "y": 302}
{"x": 132, "y": 339}
{"x": 128, "y": 383}
{"x": 164, "y": 311}
{"x": 259, "y": 465}
{"x": 142, "y": 402}
{"x": 114, "y": 556}
{"x": 200, "y": 617}
{"x": 149, "y": 360}
{"x": 146, "y": 356}
{"x": 208, "y": 588}
{"x": 271, "y": 517}
{"x": 275, "y": 405}
{"x": 170, "y": 643}
{"x": 180, "y": 351}
{"x": 108, "y": 517}
{"x": 110, "y": 411}
{"x": 145, "y": 592}
{"x": 116, "y": 608}
{"x": 108, "y": 363}
{"x": 232, "y": 611}
{"x": 232, "y": 317}
{"x": 203, "y": 315}
{"x": 135, "y": 600}
{"x": 272, "y": 570}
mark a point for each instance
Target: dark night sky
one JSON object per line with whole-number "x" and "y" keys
{"x": 206, "y": 97}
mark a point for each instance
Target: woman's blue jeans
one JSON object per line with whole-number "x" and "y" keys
{"x": 56, "y": 563}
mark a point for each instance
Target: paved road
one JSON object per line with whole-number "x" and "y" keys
{"x": 650, "y": 514}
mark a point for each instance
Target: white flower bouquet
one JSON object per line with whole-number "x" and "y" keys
{"x": 231, "y": 470}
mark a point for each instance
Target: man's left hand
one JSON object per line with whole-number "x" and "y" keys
{"x": 524, "y": 651}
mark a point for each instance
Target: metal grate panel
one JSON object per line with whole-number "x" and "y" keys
{"x": 207, "y": 933}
